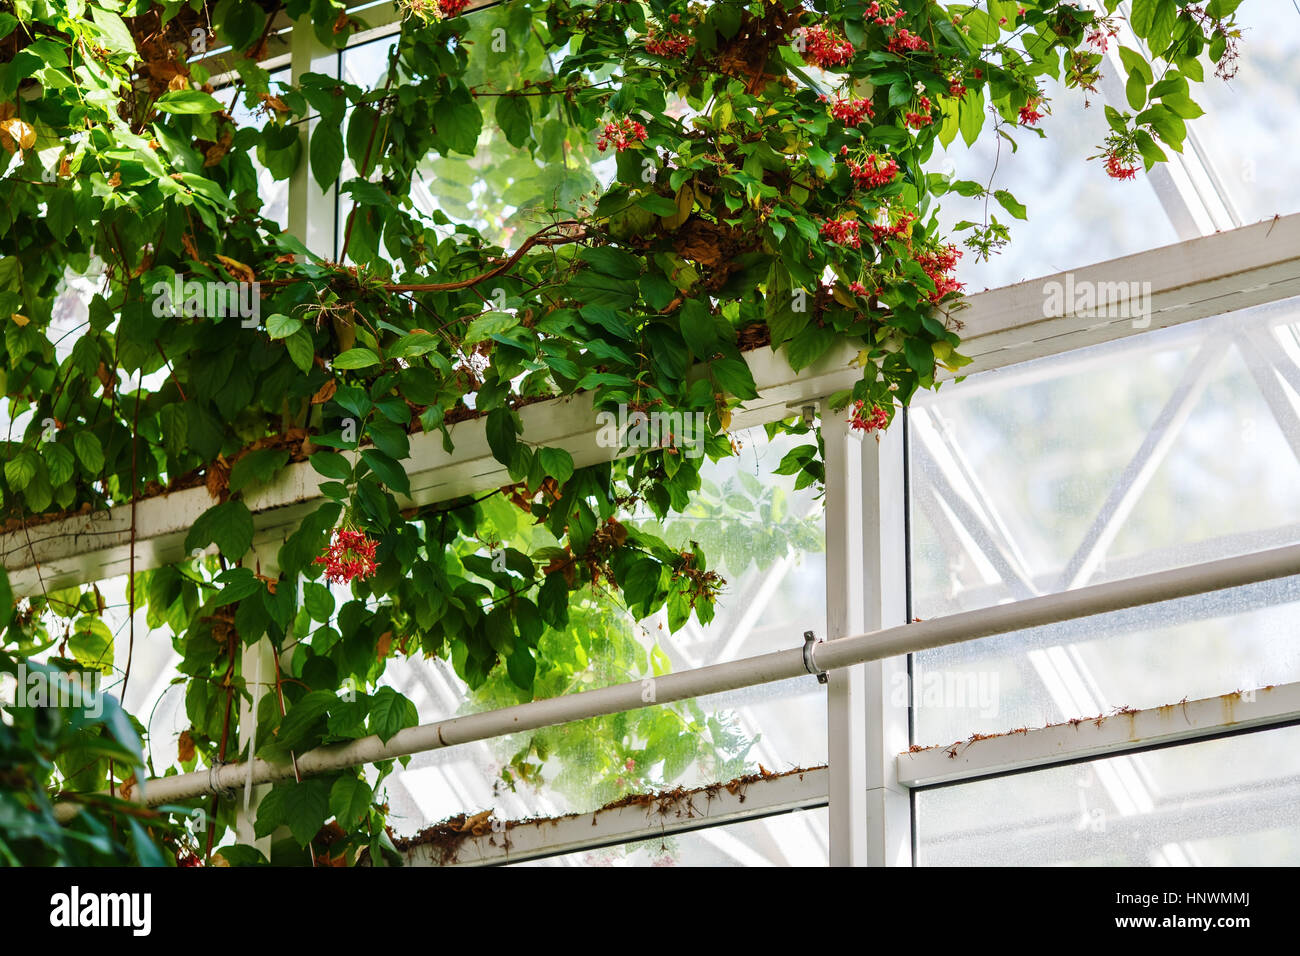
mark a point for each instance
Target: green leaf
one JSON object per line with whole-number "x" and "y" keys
{"x": 389, "y": 471}
{"x": 318, "y": 600}
{"x": 489, "y": 324}
{"x": 89, "y": 451}
{"x": 236, "y": 584}
{"x": 326, "y": 154}
{"x": 521, "y": 666}
{"x": 391, "y": 712}
{"x": 257, "y": 467}
{"x": 515, "y": 117}
{"x": 698, "y": 329}
{"x": 229, "y": 525}
{"x": 281, "y": 326}
{"x": 734, "y": 376}
{"x": 59, "y": 462}
{"x": 1009, "y": 203}
{"x": 188, "y": 101}
{"x": 303, "y": 717}
{"x": 557, "y": 463}
{"x": 349, "y": 800}
{"x": 355, "y": 359}
{"x": 458, "y": 121}
{"x": 642, "y": 581}
{"x": 302, "y": 351}
{"x": 92, "y": 644}
{"x": 306, "y": 807}
{"x": 114, "y": 30}
{"x": 502, "y": 429}
{"x": 21, "y": 469}
{"x": 331, "y": 464}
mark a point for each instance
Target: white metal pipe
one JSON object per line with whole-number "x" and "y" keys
{"x": 747, "y": 672}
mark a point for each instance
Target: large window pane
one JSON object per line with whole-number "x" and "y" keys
{"x": 1227, "y": 802}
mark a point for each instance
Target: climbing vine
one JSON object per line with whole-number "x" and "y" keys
{"x": 538, "y": 199}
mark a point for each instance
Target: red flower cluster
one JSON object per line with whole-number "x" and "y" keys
{"x": 872, "y": 13}
{"x": 826, "y": 48}
{"x": 956, "y": 88}
{"x": 896, "y": 230}
{"x": 668, "y": 44}
{"x": 851, "y": 110}
{"x": 1029, "y": 114}
{"x": 452, "y": 8}
{"x": 861, "y": 419}
{"x": 876, "y": 171}
{"x": 1100, "y": 38}
{"x": 857, "y": 288}
{"x": 1116, "y": 168}
{"x": 621, "y": 134}
{"x": 843, "y": 232}
{"x": 351, "y": 555}
{"x": 937, "y": 265}
{"x": 904, "y": 41}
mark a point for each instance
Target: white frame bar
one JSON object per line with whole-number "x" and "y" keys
{"x": 662, "y": 815}
{"x": 1100, "y": 737}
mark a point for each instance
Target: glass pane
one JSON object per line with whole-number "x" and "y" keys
{"x": 775, "y": 574}
{"x": 1215, "y": 643}
{"x": 274, "y": 192}
{"x": 1227, "y": 802}
{"x": 1156, "y": 451}
{"x": 1166, "y": 449}
{"x": 1077, "y": 215}
{"x": 1245, "y": 134}
{"x": 790, "y": 839}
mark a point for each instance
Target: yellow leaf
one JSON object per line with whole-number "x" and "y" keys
{"x": 238, "y": 271}
{"x": 22, "y": 320}
{"x": 16, "y": 134}
{"x": 685, "y": 203}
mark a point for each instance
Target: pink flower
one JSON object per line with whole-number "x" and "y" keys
{"x": 1029, "y": 114}
{"x": 860, "y": 419}
{"x": 826, "y": 48}
{"x": 937, "y": 265}
{"x": 875, "y": 171}
{"x": 842, "y": 232}
{"x": 1116, "y": 169}
{"x": 622, "y": 134}
{"x": 905, "y": 41}
{"x": 851, "y": 111}
{"x": 669, "y": 45}
{"x": 351, "y": 556}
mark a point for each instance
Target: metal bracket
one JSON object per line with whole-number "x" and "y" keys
{"x": 223, "y": 794}
{"x": 810, "y": 642}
